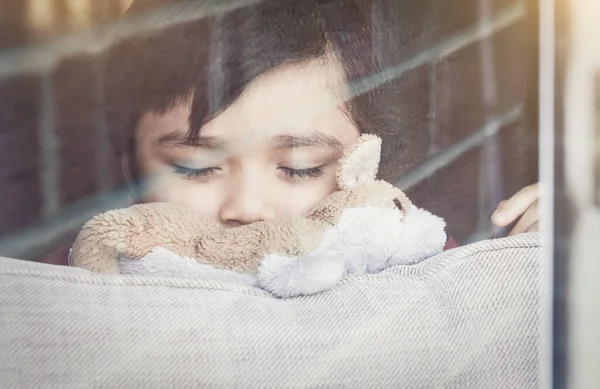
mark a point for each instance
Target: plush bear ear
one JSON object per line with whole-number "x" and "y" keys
{"x": 359, "y": 163}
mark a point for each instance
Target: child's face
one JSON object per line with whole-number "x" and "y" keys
{"x": 273, "y": 152}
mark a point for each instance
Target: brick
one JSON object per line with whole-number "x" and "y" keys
{"x": 451, "y": 17}
{"x": 515, "y": 165}
{"x": 453, "y": 193}
{"x": 19, "y": 101}
{"x": 19, "y": 149}
{"x": 459, "y": 103}
{"x": 106, "y": 11}
{"x": 499, "y": 5}
{"x": 402, "y": 124}
{"x": 116, "y": 171}
{"x": 18, "y": 28}
{"x": 76, "y": 99}
{"x": 19, "y": 120}
{"x": 404, "y": 27}
{"x": 13, "y": 28}
{"x": 412, "y": 131}
{"x": 519, "y": 150}
{"x": 400, "y": 29}
{"x": 514, "y": 66}
{"x": 21, "y": 201}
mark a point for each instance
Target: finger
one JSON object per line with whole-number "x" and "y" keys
{"x": 509, "y": 210}
{"x": 534, "y": 228}
{"x": 527, "y": 221}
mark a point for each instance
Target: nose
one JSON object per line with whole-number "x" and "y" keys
{"x": 246, "y": 202}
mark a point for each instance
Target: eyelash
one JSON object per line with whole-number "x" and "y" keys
{"x": 313, "y": 172}
{"x": 194, "y": 173}
{"x": 290, "y": 173}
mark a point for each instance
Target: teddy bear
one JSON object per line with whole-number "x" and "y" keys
{"x": 363, "y": 227}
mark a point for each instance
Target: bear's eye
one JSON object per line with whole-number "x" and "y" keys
{"x": 398, "y": 204}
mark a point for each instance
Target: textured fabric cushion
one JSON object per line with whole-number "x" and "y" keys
{"x": 467, "y": 318}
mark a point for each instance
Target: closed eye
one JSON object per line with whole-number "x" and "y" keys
{"x": 194, "y": 173}
{"x": 313, "y": 172}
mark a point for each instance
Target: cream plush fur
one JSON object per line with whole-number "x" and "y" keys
{"x": 364, "y": 227}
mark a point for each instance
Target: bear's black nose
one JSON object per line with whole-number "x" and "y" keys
{"x": 398, "y": 204}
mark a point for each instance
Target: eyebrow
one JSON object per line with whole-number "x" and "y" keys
{"x": 179, "y": 139}
{"x": 317, "y": 139}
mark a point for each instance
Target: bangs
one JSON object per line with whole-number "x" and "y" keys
{"x": 213, "y": 60}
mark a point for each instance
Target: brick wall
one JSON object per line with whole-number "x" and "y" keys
{"x": 475, "y": 130}
{"x": 467, "y": 69}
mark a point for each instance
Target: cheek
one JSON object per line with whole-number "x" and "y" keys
{"x": 300, "y": 200}
{"x": 201, "y": 198}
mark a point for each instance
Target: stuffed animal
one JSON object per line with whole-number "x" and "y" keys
{"x": 364, "y": 227}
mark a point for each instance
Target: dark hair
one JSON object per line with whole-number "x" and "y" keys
{"x": 157, "y": 70}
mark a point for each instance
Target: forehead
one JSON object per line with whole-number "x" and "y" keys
{"x": 293, "y": 99}
{"x": 297, "y": 97}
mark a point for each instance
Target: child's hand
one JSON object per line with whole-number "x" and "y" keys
{"x": 523, "y": 204}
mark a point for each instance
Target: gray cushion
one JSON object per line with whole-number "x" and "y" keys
{"x": 468, "y": 318}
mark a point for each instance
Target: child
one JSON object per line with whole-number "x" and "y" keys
{"x": 243, "y": 117}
